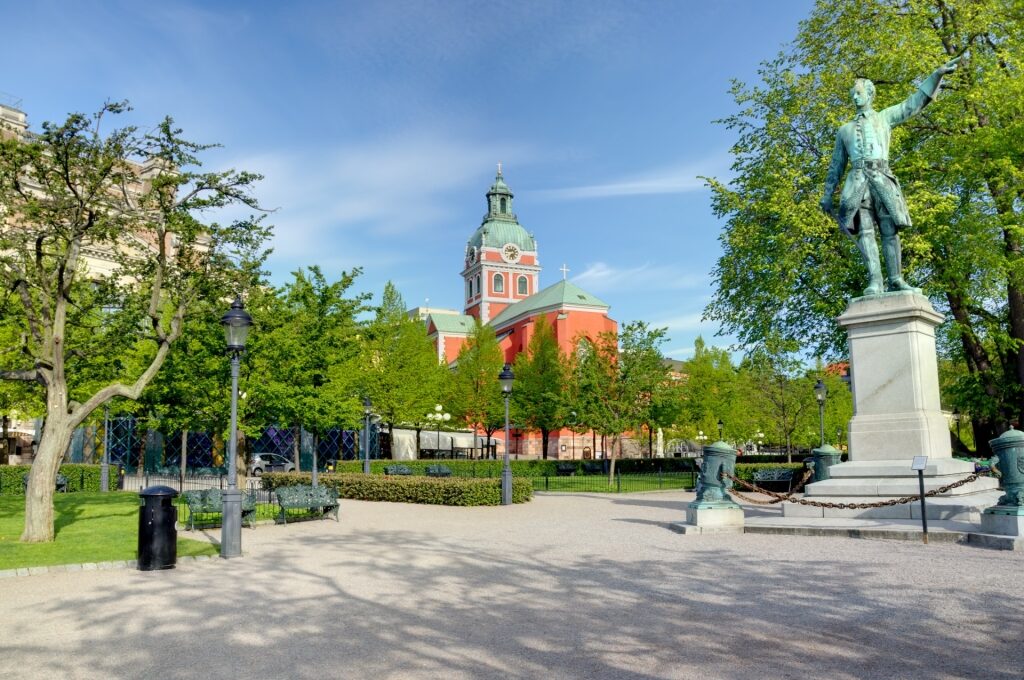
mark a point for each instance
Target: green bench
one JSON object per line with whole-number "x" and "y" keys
{"x": 774, "y": 479}
{"x": 210, "y": 502}
{"x": 397, "y": 470}
{"x": 60, "y": 484}
{"x": 565, "y": 469}
{"x": 438, "y": 471}
{"x": 321, "y": 499}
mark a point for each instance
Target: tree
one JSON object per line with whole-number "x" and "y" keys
{"x": 305, "y": 357}
{"x": 711, "y": 392}
{"x": 476, "y": 393}
{"x": 786, "y": 271}
{"x": 137, "y": 198}
{"x": 782, "y": 387}
{"x": 398, "y": 366}
{"x": 540, "y": 383}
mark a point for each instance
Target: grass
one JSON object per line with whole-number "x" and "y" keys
{"x": 90, "y": 527}
{"x": 625, "y": 483}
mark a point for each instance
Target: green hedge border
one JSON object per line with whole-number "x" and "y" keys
{"x": 461, "y": 491}
{"x": 81, "y": 477}
{"x": 520, "y": 468}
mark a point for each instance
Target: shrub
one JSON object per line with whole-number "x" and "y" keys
{"x": 520, "y": 468}
{"x": 745, "y": 471}
{"x": 81, "y": 477}
{"x": 426, "y": 490}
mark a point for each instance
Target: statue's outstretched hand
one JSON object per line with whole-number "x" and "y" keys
{"x": 950, "y": 65}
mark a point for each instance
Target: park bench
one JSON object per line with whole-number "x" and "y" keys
{"x": 593, "y": 468}
{"x": 319, "y": 499}
{"x": 397, "y": 470}
{"x": 774, "y": 479}
{"x": 565, "y": 469}
{"x": 210, "y": 502}
{"x": 60, "y": 484}
{"x": 438, "y": 471}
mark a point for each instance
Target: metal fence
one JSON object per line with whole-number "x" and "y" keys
{"x": 620, "y": 483}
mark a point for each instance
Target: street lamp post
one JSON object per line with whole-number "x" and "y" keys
{"x": 721, "y": 429}
{"x": 572, "y": 428}
{"x": 367, "y": 412}
{"x": 821, "y": 393}
{"x": 760, "y": 440}
{"x": 236, "y": 322}
{"x": 439, "y": 416}
{"x": 105, "y": 461}
{"x": 506, "y": 377}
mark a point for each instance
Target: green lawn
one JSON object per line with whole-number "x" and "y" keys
{"x": 91, "y": 527}
{"x": 624, "y": 484}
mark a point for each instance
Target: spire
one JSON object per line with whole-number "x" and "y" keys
{"x": 499, "y": 199}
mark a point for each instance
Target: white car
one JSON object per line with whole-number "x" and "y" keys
{"x": 269, "y": 462}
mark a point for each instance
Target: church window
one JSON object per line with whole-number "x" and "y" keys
{"x": 503, "y": 205}
{"x": 477, "y": 285}
{"x": 523, "y": 285}
{"x": 499, "y": 283}
{"x": 469, "y": 288}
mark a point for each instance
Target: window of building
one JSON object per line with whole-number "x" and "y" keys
{"x": 523, "y": 286}
{"x": 503, "y": 205}
{"x": 477, "y": 279}
{"x": 499, "y": 283}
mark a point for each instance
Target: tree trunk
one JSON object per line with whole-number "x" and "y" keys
{"x": 296, "y": 448}
{"x": 544, "y": 435}
{"x": 184, "y": 459}
{"x": 53, "y": 443}
{"x": 650, "y": 442}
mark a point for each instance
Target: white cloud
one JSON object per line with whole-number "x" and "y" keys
{"x": 677, "y": 179}
{"x": 601, "y": 276}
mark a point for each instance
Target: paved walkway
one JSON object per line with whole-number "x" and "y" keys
{"x": 567, "y": 586}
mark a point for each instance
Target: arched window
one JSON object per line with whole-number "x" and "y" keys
{"x": 523, "y": 286}
{"x": 503, "y": 204}
{"x": 477, "y": 285}
{"x": 469, "y": 288}
{"x": 499, "y": 282}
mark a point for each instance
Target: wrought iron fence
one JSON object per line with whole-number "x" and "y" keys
{"x": 628, "y": 483}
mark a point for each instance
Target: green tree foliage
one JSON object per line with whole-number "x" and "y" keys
{"x": 475, "y": 392}
{"x": 86, "y": 337}
{"x": 399, "y": 369}
{"x": 541, "y": 372}
{"x": 785, "y": 269}
{"x": 782, "y": 390}
{"x": 303, "y": 368}
{"x": 712, "y": 391}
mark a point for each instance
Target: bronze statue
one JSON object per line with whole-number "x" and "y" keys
{"x": 871, "y": 194}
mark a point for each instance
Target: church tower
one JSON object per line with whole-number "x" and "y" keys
{"x": 501, "y": 258}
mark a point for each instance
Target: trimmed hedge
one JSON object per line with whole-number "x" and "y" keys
{"x": 81, "y": 477}
{"x": 520, "y": 468}
{"x": 425, "y": 490}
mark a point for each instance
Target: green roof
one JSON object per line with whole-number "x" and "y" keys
{"x": 496, "y": 232}
{"x": 561, "y": 294}
{"x": 452, "y": 323}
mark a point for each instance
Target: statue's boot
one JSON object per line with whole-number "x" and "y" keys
{"x": 869, "y": 251}
{"x": 893, "y": 263}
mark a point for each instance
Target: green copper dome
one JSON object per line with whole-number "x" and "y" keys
{"x": 500, "y": 225}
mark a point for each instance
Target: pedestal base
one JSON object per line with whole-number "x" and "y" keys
{"x": 713, "y": 518}
{"x": 1004, "y": 520}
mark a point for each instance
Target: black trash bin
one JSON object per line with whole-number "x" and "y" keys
{"x": 158, "y": 539}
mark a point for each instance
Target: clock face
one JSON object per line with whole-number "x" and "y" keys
{"x": 471, "y": 255}
{"x": 510, "y": 252}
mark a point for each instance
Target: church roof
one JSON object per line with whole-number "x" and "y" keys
{"x": 451, "y": 323}
{"x": 562, "y": 294}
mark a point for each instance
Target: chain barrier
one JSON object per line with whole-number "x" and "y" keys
{"x": 778, "y": 498}
{"x": 842, "y": 506}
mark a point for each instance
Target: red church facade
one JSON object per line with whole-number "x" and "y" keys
{"x": 501, "y": 280}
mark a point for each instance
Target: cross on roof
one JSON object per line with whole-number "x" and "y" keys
{"x": 499, "y": 167}
{"x": 565, "y": 272}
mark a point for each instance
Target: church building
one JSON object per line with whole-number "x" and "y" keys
{"x": 502, "y": 288}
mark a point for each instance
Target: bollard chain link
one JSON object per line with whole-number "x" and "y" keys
{"x": 777, "y": 497}
{"x": 842, "y": 506}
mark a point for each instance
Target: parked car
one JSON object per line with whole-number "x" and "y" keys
{"x": 269, "y": 462}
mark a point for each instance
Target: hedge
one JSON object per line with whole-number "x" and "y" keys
{"x": 81, "y": 477}
{"x": 520, "y": 468}
{"x": 425, "y": 490}
{"x": 745, "y": 471}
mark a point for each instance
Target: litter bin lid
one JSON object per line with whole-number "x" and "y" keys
{"x": 158, "y": 490}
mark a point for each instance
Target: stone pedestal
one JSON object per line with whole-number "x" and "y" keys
{"x": 1008, "y": 521}
{"x": 711, "y": 518}
{"x": 897, "y": 415}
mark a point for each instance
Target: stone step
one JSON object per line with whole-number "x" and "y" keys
{"x": 953, "y": 508}
{"x": 900, "y": 468}
{"x": 897, "y": 486}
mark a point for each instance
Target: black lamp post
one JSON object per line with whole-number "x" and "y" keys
{"x": 105, "y": 461}
{"x": 572, "y": 428}
{"x": 721, "y": 429}
{"x": 236, "y": 322}
{"x": 506, "y": 377}
{"x": 367, "y": 412}
{"x": 821, "y": 393}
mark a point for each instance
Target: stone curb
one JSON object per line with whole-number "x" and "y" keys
{"x": 980, "y": 540}
{"x": 187, "y": 560}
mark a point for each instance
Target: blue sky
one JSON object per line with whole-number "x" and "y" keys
{"x": 378, "y": 125}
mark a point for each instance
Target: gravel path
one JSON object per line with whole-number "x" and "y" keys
{"x": 567, "y": 586}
